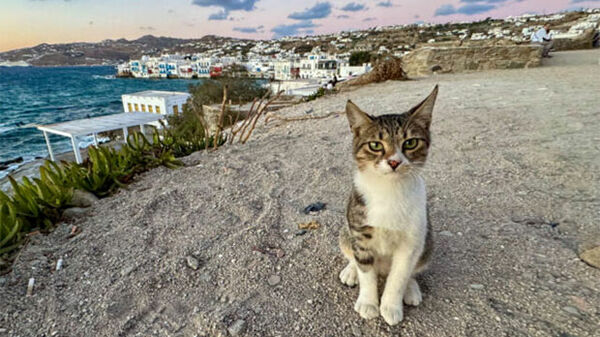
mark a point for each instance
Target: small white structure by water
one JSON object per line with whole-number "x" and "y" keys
{"x": 93, "y": 126}
{"x": 156, "y": 102}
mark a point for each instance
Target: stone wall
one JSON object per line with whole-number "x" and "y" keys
{"x": 427, "y": 60}
{"x": 581, "y": 41}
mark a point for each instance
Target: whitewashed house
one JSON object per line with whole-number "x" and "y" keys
{"x": 346, "y": 70}
{"x": 158, "y": 102}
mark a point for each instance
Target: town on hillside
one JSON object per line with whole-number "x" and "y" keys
{"x": 348, "y": 54}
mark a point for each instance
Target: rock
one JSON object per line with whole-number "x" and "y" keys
{"x": 12, "y": 161}
{"x": 192, "y": 262}
{"x": 274, "y": 280}
{"x": 315, "y": 207}
{"x": 591, "y": 257}
{"x": 301, "y": 232}
{"x": 477, "y": 286}
{"x": 446, "y": 233}
{"x": 83, "y": 199}
{"x": 237, "y": 327}
{"x": 571, "y": 310}
{"x": 74, "y": 212}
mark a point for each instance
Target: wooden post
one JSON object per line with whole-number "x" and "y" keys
{"x": 96, "y": 140}
{"x": 125, "y": 134}
{"x": 49, "y": 146}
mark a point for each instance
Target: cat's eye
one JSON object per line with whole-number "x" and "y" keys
{"x": 375, "y": 146}
{"x": 410, "y": 144}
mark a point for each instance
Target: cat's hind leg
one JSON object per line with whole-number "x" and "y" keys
{"x": 412, "y": 294}
{"x": 348, "y": 275}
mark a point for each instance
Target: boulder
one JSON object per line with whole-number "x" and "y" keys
{"x": 83, "y": 199}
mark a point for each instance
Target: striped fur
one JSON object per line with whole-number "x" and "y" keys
{"x": 388, "y": 232}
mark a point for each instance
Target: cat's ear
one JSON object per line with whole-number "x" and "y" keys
{"x": 421, "y": 114}
{"x": 356, "y": 117}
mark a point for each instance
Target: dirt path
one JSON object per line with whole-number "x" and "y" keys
{"x": 513, "y": 192}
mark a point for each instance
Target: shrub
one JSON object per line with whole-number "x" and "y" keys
{"x": 38, "y": 203}
{"x": 360, "y": 57}
{"x": 320, "y": 93}
{"x": 191, "y": 123}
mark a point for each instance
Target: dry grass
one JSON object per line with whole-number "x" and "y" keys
{"x": 389, "y": 69}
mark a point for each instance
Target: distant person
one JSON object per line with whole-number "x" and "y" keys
{"x": 543, "y": 38}
{"x": 335, "y": 80}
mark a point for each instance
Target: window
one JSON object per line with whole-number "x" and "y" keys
{"x": 136, "y": 107}
{"x": 144, "y": 107}
{"x": 128, "y": 107}
{"x": 175, "y": 109}
{"x": 150, "y": 108}
{"x": 157, "y": 109}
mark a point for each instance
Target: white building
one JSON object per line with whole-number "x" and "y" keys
{"x": 346, "y": 70}
{"x": 159, "y": 102}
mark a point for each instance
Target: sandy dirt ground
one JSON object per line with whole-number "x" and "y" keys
{"x": 213, "y": 248}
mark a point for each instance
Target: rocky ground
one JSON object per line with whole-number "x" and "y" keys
{"x": 213, "y": 248}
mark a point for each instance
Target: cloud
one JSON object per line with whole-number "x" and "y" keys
{"x": 353, "y": 7}
{"x": 446, "y": 9}
{"x": 148, "y": 28}
{"x": 318, "y": 11}
{"x": 171, "y": 11}
{"x": 369, "y": 19}
{"x": 248, "y": 30}
{"x": 468, "y": 9}
{"x": 226, "y": 6}
{"x": 222, "y": 15}
{"x": 384, "y": 4}
{"x": 302, "y": 27}
{"x": 343, "y": 16}
{"x": 484, "y": 1}
{"x": 475, "y": 8}
{"x": 580, "y": 1}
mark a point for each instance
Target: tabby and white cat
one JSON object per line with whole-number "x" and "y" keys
{"x": 388, "y": 232}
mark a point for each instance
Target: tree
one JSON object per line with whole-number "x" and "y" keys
{"x": 360, "y": 57}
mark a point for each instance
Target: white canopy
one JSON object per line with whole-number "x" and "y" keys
{"x": 93, "y": 126}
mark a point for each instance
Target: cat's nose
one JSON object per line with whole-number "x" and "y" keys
{"x": 393, "y": 163}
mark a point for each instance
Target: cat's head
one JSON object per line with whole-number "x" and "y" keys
{"x": 393, "y": 144}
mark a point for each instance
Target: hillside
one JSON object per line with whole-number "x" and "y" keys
{"x": 213, "y": 248}
{"x": 377, "y": 40}
{"x": 107, "y": 51}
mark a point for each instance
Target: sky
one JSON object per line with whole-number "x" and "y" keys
{"x": 26, "y": 23}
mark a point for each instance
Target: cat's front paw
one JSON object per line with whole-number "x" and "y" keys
{"x": 348, "y": 275}
{"x": 392, "y": 314}
{"x": 366, "y": 309}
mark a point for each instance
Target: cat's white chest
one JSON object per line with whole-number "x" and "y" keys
{"x": 396, "y": 204}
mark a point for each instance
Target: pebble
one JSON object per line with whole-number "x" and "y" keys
{"x": 274, "y": 280}
{"x": 446, "y": 233}
{"x": 301, "y": 232}
{"x": 237, "y": 327}
{"x": 591, "y": 257}
{"x": 192, "y": 262}
{"x": 477, "y": 286}
{"x": 571, "y": 310}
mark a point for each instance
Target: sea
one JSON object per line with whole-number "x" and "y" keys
{"x": 45, "y": 95}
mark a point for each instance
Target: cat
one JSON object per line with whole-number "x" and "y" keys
{"x": 388, "y": 232}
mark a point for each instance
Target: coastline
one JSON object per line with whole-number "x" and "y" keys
{"x": 30, "y": 169}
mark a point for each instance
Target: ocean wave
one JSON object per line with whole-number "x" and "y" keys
{"x": 4, "y": 129}
{"x": 103, "y": 77}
